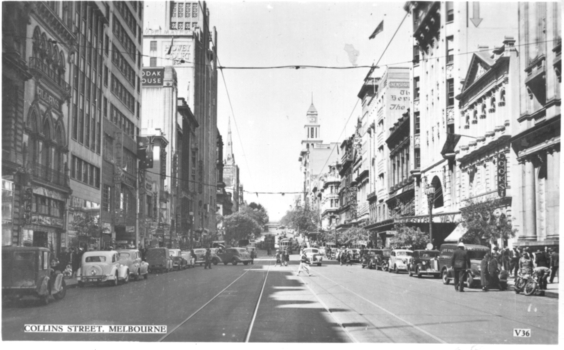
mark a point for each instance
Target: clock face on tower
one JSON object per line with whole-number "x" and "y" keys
{"x": 312, "y": 119}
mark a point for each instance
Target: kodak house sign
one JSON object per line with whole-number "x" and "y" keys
{"x": 153, "y": 76}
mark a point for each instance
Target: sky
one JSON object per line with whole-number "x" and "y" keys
{"x": 268, "y": 107}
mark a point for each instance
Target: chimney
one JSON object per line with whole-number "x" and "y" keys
{"x": 509, "y": 44}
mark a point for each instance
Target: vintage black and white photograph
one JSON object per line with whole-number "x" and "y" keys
{"x": 309, "y": 172}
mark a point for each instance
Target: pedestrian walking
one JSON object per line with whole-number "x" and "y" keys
{"x": 493, "y": 274}
{"x": 541, "y": 259}
{"x": 304, "y": 262}
{"x": 76, "y": 256}
{"x": 286, "y": 257}
{"x": 460, "y": 261}
{"x": 554, "y": 262}
{"x": 207, "y": 259}
{"x": 515, "y": 257}
{"x": 505, "y": 259}
{"x": 348, "y": 257}
{"x": 253, "y": 256}
{"x": 484, "y": 271}
{"x": 278, "y": 258}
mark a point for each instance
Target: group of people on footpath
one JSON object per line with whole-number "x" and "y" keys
{"x": 543, "y": 264}
{"x": 282, "y": 257}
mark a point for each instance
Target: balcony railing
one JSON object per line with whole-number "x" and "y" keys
{"x": 37, "y": 64}
{"x": 47, "y": 174}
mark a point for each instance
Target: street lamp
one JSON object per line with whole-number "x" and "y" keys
{"x": 430, "y": 192}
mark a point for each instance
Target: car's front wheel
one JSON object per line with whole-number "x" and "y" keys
{"x": 445, "y": 277}
{"x": 115, "y": 281}
{"x": 417, "y": 273}
{"x": 234, "y": 262}
{"x": 126, "y": 278}
{"x": 62, "y": 292}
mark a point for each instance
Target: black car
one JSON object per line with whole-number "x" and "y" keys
{"x": 367, "y": 258}
{"x": 381, "y": 259}
{"x": 424, "y": 262}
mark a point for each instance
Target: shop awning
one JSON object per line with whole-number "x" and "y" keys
{"x": 456, "y": 234}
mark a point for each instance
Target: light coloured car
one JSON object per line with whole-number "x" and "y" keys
{"x": 314, "y": 255}
{"x": 101, "y": 267}
{"x": 201, "y": 256}
{"x": 400, "y": 260}
{"x": 178, "y": 262}
{"x": 132, "y": 259}
{"x": 186, "y": 255}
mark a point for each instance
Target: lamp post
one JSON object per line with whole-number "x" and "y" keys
{"x": 430, "y": 192}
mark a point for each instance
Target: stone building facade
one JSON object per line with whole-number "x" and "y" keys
{"x": 536, "y": 129}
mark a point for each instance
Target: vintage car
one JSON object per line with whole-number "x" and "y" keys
{"x": 26, "y": 271}
{"x": 476, "y": 253}
{"x": 178, "y": 262}
{"x": 424, "y": 262}
{"x": 235, "y": 256}
{"x": 381, "y": 259}
{"x": 159, "y": 259}
{"x": 314, "y": 256}
{"x": 368, "y": 258}
{"x": 132, "y": 259}
{"x": 201, "y": 255}
{"x": 101, "y": 267}
{"x": 399, "y": 259}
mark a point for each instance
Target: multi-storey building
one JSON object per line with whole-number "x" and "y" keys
{"x": 177, "y": 34}
{"x": 231, "y": 173}
{"x": 444, "y": 36}
{"x": 116, "y": 51}
{"x": 536, "y": 132}
{"x": 37, "y": 50}
{"x": 488, "y": 102}
{"x": 347, "y": 190}
{"x": 387, "y": 100}
{"x": 329, "y": 205}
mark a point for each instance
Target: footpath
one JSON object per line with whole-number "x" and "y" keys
{"x": 552, "y": 289}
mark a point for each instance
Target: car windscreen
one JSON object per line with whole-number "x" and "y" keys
{"x": 90, "y": 259}
{"x": 154, "y": 253}
{"x": 429, "y": 254}
{"x": 242, "y": 250}
{"x": 123, "y": 256}
{"x": 476, "y": 254}
{"x": 314, "y": 251}
{"x": 404, "y": 253}
{"x": 199, "y": 251}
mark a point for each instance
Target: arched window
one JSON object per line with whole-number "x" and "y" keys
{"x": 492, "y": 104}
{"x": 36, "y": 42}
{"x": 475, "y": 119}
{"x": 439, "y": 200}
{"x": 46, "y": 150}
{"x": 43, "y": 44}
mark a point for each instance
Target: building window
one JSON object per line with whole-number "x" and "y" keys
{"x": 194, "y": 10}
{"x": 450, "y": 11}
{"x": 172, "y": 25}
{"x": 153, "y": 45}
{"x": 181, "y": 9}
{"x": 106, "y": 198}
{"x": 416, "y": 55}
{"x": 417, "y": 158}
{"x": 450, "y": 92}
{"x": 153, "y": 62}
{"x": 417, "y": 123}
{"x": 416, "y": 88}
{"x": 450, "y": 49}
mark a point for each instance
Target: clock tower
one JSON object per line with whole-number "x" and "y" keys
{"x": 312, "y": 128}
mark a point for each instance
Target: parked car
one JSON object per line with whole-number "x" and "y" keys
{"x": 26, "y": 271}
{"x": 235, "y": 256}
{"x": 159, "y": 259}
{"x": 187, "y": 255}
{"x": 399, "y": 259}
{"x": 368, "y": 258}
{"x": 382, "y": 259}
{"x": 355, "y": 254}
{"x": 100, "y": 267}
{"x": 132, "y": 259}
{"x": 178, "y": 262}
{"x": 476, "y": 253}
{"x": 314, "y": 256}
{"x": 201, "y": 255}
{"x": 424, "y": 262}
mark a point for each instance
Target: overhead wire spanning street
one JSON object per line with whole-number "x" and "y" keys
{"x": 263, "y": 303}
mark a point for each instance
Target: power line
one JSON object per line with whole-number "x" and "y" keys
{"x": 296, "y": 66}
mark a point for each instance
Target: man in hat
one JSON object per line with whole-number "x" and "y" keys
{"x": 460, "y": 261}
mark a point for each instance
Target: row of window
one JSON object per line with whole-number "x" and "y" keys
{"x": 126, "y": 15}
{"x": 122, "y": 122}
{"x": 122, "y": 94}
{"x": 126, "y": 199}
{"x": 181, "y": 10}
{"x": 47, "y": 206}
{"x": 183, "y": 25}
{"x": 119, "y": 61}
{"x": 123, "y": 37}
{"x": 85, "y": 172}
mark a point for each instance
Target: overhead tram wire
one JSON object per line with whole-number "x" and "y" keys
{"x": 292, "y": 66}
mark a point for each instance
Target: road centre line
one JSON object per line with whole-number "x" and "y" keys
{"x": 195, "y": 312}
{"x": 388, "y": 312}
{"x": 256, "y": 307}
{"x": 329, "y": 311}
